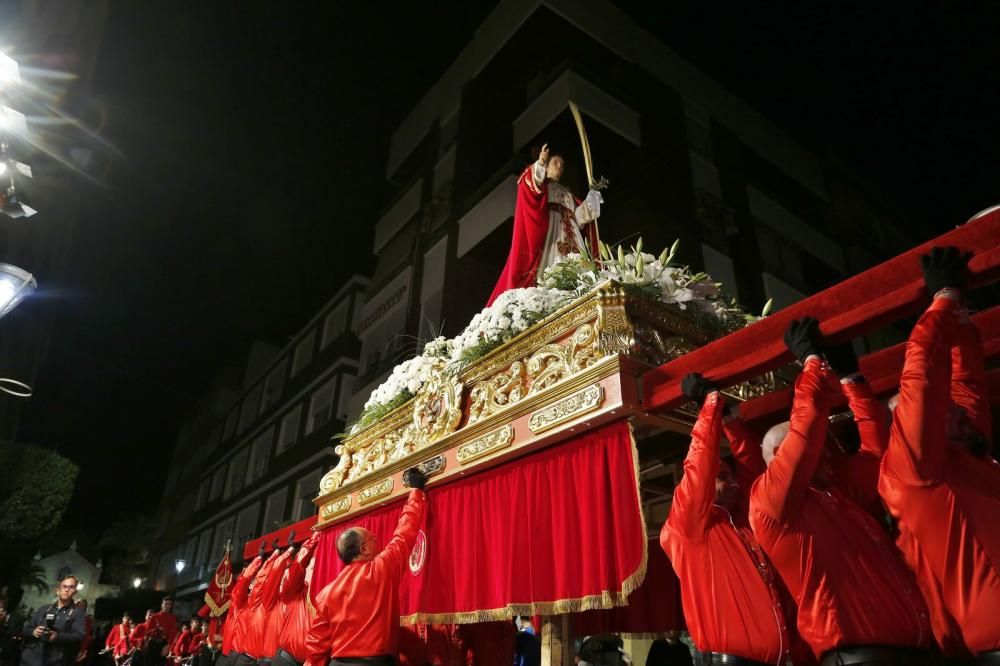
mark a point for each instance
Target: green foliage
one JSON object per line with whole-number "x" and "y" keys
{"x": 371, "y": 416}
{"x": 35, "y": 488}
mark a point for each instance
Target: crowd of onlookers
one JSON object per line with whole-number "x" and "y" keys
{"x": 63, "y": 634}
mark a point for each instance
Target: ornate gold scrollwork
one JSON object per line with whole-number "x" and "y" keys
{"x": 377, "y": 491}
{"x": 335, "y": 477}
{"x": 567, "y": 409}
{"x": 488, "y": 443}
{"x": 437, "y": 410}
{"x": 615, "y": 335}
{"x": 553, "y": 363}
{"x": 335, "y": 508}
{"x": 491, "y": 395}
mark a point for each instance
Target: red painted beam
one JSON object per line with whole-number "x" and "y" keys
{"x": 882, "y": 370}
{"x": 878, "y": 296}
{"x": 302, "y": 529}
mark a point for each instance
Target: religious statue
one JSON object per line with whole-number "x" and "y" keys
{"x": 549, "y": 223}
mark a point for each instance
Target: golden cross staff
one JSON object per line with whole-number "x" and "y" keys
{"x": 588, "y": 164}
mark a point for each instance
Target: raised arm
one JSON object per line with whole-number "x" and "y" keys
{"x": 241, "y": 589}
{"x": 745, "y": 445}
{"x": 780, "y": 490}
{"x": 296, "y": 576}
{"x": 272, "y": 584}
{"x": 393, "y": 557}
{"x": 695, "y": 494}
{"x": 918, "y": 445}
{"x": 969, "y": 389}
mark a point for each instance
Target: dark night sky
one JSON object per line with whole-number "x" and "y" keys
{"x": 254, "y": 137}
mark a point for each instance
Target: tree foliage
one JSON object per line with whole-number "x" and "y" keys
{"x": 35, "y": 488}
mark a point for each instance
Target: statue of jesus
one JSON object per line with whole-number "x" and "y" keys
{"x": 549, "y": 223}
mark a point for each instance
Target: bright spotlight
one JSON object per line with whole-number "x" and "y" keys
{"x": 179, "y": 565}
{"x": 136, "y": 582}
{"x": 9, "y": 71}
{"x": 15, "y": 284}
{"x": 12, "y": 120}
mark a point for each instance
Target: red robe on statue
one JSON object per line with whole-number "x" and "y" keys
{"x": 531, "y": 226}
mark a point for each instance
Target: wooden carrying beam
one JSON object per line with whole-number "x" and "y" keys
{"x": 881, "y": 369}
{"x": 874, "y": 298}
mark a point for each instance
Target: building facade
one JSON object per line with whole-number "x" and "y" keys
{"x": 249, "y": 459}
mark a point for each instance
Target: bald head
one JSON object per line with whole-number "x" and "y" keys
{"x": 773, "y": 439}
{"x": 892, "y": 402}
{"x": 355, "y": 545}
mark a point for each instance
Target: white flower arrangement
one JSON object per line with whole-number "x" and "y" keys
{"x": 517, "y": 310}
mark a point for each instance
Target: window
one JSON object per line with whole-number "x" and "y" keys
{"x": 231, "y": 423}
{"x": 204, "y": 543}
{"x": 223, "y": 531}
{"x": 288, "y": 432}
{"x": 237, "y": 474}
{"x": 260, "y": 455}
{"x": 246, "y": 526}
{"x": 335, "y": 323}
{"x": 274, "y": 510}
{"x": 203, "y": 489}
{"x": 321, "y": 405}
{"x": 303, "y": 352}
{"x": 251, "y": 404}
{"x": 305, "y": 490}
{"x": 218, "y": 481}
{"x": 273, "y": 384}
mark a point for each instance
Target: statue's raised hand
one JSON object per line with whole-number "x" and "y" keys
{"x": 543, "y": 155}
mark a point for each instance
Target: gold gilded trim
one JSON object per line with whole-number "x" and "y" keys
{"x": 567, "y": 409}
{"x": 372, "y": 493}
{"x": 500, "y": 438}
{"x": 335, "y": 508}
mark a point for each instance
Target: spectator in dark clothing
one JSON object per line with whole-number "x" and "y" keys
{"x": 10, "y": 635}
{"x": 52, "y": 637}
{"x": 527, "y": 646}
{"x": 669, "y": 652}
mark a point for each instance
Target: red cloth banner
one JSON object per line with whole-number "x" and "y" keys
{"x": 653, "y": 609}
{"x": 557, "y": 531}
{"x": 219, "y": 589}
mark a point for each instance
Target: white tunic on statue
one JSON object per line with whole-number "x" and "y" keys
{"x": 565, "y": 219}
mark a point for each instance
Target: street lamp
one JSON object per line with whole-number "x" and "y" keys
{"x": 136, "y": 582}
{"x": 179, "y": 565}
{"x": 10, "y": 73}
{"x": 15, "y": 284}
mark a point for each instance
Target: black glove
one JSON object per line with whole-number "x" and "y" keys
{"x": 842, "y": 359}
{"x": 945, "y": 267}
{"x": 414, "y": 478}
{"x": 697, "y": 387}
{"x": 801, "y": 338}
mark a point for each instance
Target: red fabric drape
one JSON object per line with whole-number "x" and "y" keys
{"x": 654, "y": 608}
{"x": 531, "y": 224}
{"x": 558, "y": 531}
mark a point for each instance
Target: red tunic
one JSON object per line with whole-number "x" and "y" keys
{"x": 167, "y": 623}
{"x": 233, "y": 630}
{"x": 181, "y": 645}
{"x": 265, "y": 606}
{"x": 197, "y": 641}
{"x": 119, "y": 640}
{"x": 357, "y": 614}
{"x": 139, "y": 633}
{"x": 849, "y": 582}
{"x": 731, "y": 602}
{"x": 946, "y": 500}
{"x": 254, "y": 616}
{"x": 294, "y": 607}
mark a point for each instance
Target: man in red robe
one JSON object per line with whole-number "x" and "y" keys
{"x": 938, "y": 479}
{"x": 357, "y": 613}
{"x": 182, "y": 643}
{"x": 234, "y": 629}
{"x": 164, "y": 623}
{"x": 731, "y": 597}
{"x": 141, "y": 630}
{"x": 293, "y": 607}
{"x": 857, "y": 601}
{"x": 549, "y": 223}
{"x": 119, "y": 640}
{"x": 262, "y": 630}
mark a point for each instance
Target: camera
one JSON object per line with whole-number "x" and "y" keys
{"x": 50, "y": 623}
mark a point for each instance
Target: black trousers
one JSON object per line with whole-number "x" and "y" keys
{"x": 877, "y": 656}
{"x": 378, "y": 660}
{"x": 713, "y": 658}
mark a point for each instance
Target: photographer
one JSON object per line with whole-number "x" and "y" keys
{"x": 53, "y": 636}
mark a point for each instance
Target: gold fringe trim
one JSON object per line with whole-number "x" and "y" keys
{"x": 603, "y": 601}
{"x": 216, "y": 610}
